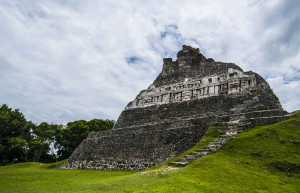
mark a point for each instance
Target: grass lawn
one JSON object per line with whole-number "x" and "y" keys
{"x": 261, "y": 159}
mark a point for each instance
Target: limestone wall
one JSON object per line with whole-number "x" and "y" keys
{"x": 138, "y": 147}
{"x": 234, "y": 81}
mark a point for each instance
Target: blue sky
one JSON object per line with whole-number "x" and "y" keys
{"x": 62, "y": 61}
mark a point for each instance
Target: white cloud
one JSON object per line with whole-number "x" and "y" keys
{"x": 288, "y": 92}
{"x": 66, "y": 60}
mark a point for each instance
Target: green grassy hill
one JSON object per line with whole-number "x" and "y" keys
{"x": 261, "y": 159}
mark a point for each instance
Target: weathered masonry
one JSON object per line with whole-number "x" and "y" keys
{"x": 173, "y": 114}
{"x": 233, "y": 81}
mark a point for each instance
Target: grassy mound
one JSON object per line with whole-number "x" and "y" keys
{"x": 261, "y": 159}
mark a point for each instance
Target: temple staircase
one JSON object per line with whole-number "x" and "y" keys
{"x": 231, "y": 129}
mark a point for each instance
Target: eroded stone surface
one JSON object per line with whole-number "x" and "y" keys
{"x": 173, "y": 114}
{"x": 230, "y": 82}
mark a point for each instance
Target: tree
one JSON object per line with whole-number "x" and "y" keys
{"x": 22, "y": 140}
{"x": 14, "y": 129}
{"x": 69, "y": 138}
{"x": 43, "y": 136}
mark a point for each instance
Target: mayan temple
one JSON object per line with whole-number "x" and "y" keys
{"x": 174, "y": 112}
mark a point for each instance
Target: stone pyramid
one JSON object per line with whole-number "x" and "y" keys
{"x": 173, "y": 113}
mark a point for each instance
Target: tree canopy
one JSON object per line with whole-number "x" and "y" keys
{"x": 24, "y": 141}
{"x": 68, "y": 138}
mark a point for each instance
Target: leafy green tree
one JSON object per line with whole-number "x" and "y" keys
{"x": 100, "y": 125}
{"x": 68, "y": 138}
{"x": 22, "y": 140}
{"x": 13, "y": 130}
{"x": 43, "y": 136}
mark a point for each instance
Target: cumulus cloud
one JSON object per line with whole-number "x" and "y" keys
{"x": 288, "y": 92}
{"x": 66, "y": 60}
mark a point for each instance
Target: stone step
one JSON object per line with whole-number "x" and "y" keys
{"x": 178, "y": 164}
{"x": 235, "y": 133}
{"x": 231, "y": 132}
{"x": 207, "y": 148}
{"x": 203, "y": 151}
{"x": 182, "y": 160}
{"x": 218, "y": 142}
{"x": 215, "y": 143}
{"x": 225, "y": 136}
{"x": 240, "y": 123}
{"x": 214, "y": 147}
{"x": 190, "y": 157}
{"x": 199, "y": 154}
{"x": 221, "y": 140}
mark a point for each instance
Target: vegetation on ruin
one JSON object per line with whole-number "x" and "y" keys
{"x": 261, "y": 159}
